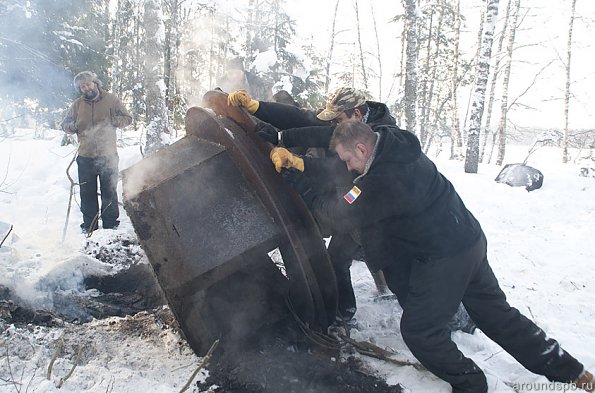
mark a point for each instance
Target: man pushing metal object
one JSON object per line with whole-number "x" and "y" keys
{"x": 328, "y": 175}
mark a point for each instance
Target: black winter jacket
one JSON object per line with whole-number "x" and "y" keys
{"x": 407, "y": 210}
{"x": 302, "y": 128}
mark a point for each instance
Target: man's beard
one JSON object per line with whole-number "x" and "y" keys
{"x": 90, "y": 95}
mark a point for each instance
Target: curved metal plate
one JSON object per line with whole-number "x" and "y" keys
{"x": 313, "y": 289}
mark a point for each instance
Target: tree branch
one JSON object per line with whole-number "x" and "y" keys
{"x": 205, "y": 360}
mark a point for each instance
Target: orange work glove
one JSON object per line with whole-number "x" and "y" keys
{"x": 282, "y": 158}
{"x": 243, "y": 99}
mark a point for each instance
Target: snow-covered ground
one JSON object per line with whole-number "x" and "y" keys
{"x": 540, "y": 246}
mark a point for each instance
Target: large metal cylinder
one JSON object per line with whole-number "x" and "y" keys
{"x": 207, "y": 210}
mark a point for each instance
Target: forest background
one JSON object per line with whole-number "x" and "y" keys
{"x": 467, "y": 76}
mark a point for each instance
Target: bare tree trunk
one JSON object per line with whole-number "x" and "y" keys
{"x": 411, "y": 65}
{"x": 154, "y": 84}
{"x": 402, "y": 61}
{"x": 276, "y": 36}
{"x": 377, "y": 52}
{"x": 402, "y": 70}
{"x": 138, "y": 102}
{"x": 423, "y": 97}
{"x": 440, "y": 104}
{"x": 567, "y": 88}
{"x": 226, "y": 46}
{"x": 457, "y": 145}
{"x": 116, "y": 34}
{"x": 430, "y": 96}
{"x": 361, "y": 49}
{"x": 492, "y": 147}
{"x": 249, "y": 28}
{"x": 171, "y": 60}
{"x": 212, "y": 76}
{"x": 329, "y": 59}
{"x": 469, "y": 101}
{"x": 483, "y": 70}
{"x": 109, "y": 39}
{"x": 495, "y": 73}
{"x": 504, "y": 106}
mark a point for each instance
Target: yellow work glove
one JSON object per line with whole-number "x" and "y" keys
{"x": 282, "y": 158}
{"x": 242, "y": 98}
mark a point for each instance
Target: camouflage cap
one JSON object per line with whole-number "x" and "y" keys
{"x": 341, "y": 100}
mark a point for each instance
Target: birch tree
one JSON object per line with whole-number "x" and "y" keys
{"x": 456, "y": 145}
{"x": 327, "y": 79}
{"x": 411, "y": 65}
{"x": 139, "y": 106}
{"x": 399, "y": 76}
{"x": 425, "y": 79}
{"x": 172, "y": 42}
{"x": 378, "y": 57}
{"x": 431, "y": 118}
{"x": 504, "y": 105}
{"x": 481, "y": 81}
{"x": 249, "y": 30}
{"x": 477, "y": 52}
{"x": 361, "y": 49}
{"x": 495, "y": 74}
{"x": 156, "y": 111}
{"x": 567, "y": 86}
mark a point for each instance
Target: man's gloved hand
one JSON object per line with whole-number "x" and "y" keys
{"x": 243, "y": 99}
{"x": 267, "y": 132}
{"x": 69, "y": 125}
{"x": 301, "y": 183}
{"x": 283, "y": 158}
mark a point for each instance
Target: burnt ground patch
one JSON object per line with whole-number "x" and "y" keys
{"x": 278, "y": 359}
{"x": 282, "y": 359}
{"x": 132, "y": 288}
{"x": 280, "y": 370}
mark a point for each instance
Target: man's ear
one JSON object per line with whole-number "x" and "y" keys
{"x": 362, "y": 148}
{"x": 357, "y": 114}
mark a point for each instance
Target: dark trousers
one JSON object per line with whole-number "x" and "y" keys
{"x": 104, "y": 168}
{"x": 397, "y": 279}
{"x": 342, "y": 249}
{"x": 435, "y": 290}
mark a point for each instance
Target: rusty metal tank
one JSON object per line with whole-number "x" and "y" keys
{"x": 208, "y": 210}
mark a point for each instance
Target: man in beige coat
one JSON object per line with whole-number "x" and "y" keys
{"x": 94, "y": 118}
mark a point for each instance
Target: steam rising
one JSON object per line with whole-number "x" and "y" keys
{"x": 34, "y": 280}
{"x": 137, "y": 178}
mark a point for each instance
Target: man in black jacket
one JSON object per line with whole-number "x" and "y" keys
{"x": 414, "y": 221}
